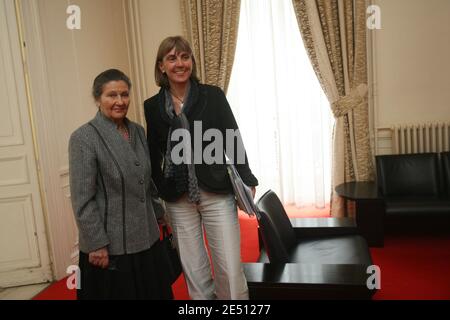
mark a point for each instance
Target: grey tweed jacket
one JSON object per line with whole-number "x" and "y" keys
{"x": 113, "y": 196}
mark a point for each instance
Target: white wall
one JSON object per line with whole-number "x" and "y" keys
{"x": 411, "y": 65}
{"x": 159, "y": 19}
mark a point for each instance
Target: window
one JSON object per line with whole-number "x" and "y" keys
{"x": 282, "y": 112}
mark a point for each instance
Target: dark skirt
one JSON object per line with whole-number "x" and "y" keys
{"x": 135, "y": 276}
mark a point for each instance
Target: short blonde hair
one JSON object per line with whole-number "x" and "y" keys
{"x": 181, "y": 45}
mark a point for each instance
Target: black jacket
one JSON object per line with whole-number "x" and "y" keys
{"x": 210, "y": 106}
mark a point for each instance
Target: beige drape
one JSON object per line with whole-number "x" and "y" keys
{"x": 334, "y": 34}
{"x": 211, "y": 27}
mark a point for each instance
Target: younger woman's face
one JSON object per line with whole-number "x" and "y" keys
{"x": 177, "y": 66}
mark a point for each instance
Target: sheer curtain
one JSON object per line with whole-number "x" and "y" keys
{"x": 282, "y": 112}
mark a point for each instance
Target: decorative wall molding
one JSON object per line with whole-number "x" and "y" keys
{"x": 25, "y": 220}
{"x": 17, "y": 166}
{"x": 11, "y": 133}
{"x": 16, "y": 198}
{"x": 372, "y": 85}
{"x": 136, "y": 56}
{"x": 75, "y": 255}
{"x": 384, "y": 141}
{"x": 65, "y": 181}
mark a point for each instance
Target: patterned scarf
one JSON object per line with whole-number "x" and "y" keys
{"x": 183, "y": 174}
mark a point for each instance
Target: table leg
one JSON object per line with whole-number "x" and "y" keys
{"x": 370, "y": 221}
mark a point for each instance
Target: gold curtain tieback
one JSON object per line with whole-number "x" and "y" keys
{"x": 345, "y": 104}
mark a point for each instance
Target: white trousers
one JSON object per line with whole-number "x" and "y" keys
{"x": 217, "y": 215}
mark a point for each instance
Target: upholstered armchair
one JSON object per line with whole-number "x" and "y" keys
{"x": 415, "y": 187}
{"x": 305, "y": 258}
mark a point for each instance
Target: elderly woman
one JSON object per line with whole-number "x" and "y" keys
{"x": 198, "y": 194}
{"x": 114, "y": 201}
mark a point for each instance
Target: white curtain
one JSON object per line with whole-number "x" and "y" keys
{"x": 282, "y": 112}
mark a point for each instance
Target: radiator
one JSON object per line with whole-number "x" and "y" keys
{"x": 420, "y": 138}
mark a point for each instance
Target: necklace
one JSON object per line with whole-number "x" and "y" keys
{"x": 179, "y": 99}
{"x": 124, "y": 132}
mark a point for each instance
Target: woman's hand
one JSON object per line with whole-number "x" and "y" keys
{"x": 99, "y": 258}
{"x": 162, "y": 221}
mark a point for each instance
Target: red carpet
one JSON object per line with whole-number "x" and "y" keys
{"x": 412, "y": 267}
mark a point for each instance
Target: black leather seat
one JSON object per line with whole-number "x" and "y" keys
{"x": 409, "y": 175}
{"x": 416, "y": 206}
{"x": 281, "y": 244}
{"x": 319, "y": 260}
{"x": 411, "y": 184}
{"x": 445, "y": 157}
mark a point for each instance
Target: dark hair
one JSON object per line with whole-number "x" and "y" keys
{"x": 181, "y": 45}
{"x": 105, "y": 77}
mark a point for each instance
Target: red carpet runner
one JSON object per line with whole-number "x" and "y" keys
{"x": 412, "y": 267}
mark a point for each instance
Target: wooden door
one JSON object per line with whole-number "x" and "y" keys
{"x": 24, "y": 255}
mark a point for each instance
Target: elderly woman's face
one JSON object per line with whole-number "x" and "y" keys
{"x": 114, "y": 101}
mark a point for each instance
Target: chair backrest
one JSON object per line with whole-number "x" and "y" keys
{"x": 276, "y": 229}
{"x": 273, "y": 245}
{"x": 445, "y": 158}
{"x": 408, "y": 174}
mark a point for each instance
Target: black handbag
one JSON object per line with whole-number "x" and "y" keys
{"x": 173, "y": 259}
